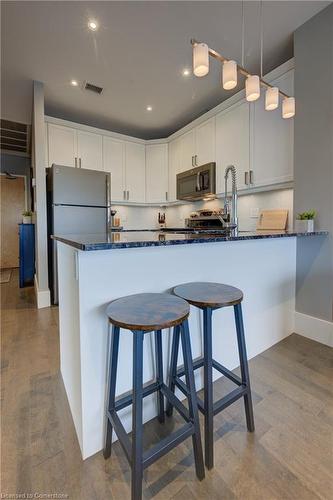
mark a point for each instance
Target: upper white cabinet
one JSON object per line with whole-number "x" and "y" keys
{"x": 232, "y": 144}
{"x": 135, "y": 172}
{"x": 198, "y": 145}
{"x": 205, "y": 142}
{"x": 114, "y": 162}
{"x": 157, "y": 173}
{"x": 273, "y": 139}
{"x": 62, "y": 145}
{"x": 174, "y": 167}
{"x": 74, "y": 148}
{"x": 89, "y": 150}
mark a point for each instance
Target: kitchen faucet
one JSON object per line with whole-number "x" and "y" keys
{"x": 230, "y": 211}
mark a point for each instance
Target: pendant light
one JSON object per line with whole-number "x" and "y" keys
{"x": 288, "y": 107}
{"x": 229, "y": 75}
{"x": 200, "y": 59}
{"x": 252, "y": 88}
{"x": 272, "y": 98}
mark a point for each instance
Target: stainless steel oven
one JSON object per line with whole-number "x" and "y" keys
{"x": 197, "y": 183}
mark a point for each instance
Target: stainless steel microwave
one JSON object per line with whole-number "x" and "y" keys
{"x": 197, "y": 183}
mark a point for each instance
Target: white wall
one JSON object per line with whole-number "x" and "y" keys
{"x": 268, "y": 200}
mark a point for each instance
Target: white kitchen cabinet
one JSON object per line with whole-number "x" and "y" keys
{"x": 205, "y": 142}
{"x": 157, "y": 173}
{"x": 232, "y": 144}
{"x": 135, "y": 172}
{"x": 62, "y": 145}
{"x": 174, "y": 167}
{"x": 89, "y": 150}
{"x": 273, "y": 139}
{"x": 187, "y": 150}
{"x": 114, "y": 162}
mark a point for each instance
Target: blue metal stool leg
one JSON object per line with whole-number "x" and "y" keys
{"x": 208, "y": 388}
{"x": 112, "y": 376}
{"x": 192, "y": 400}
{"x": 244, "y": 366}
{"x": 173, "y": 366}
{"x": 159, "y": 374}
{"x": 137, "y": 450}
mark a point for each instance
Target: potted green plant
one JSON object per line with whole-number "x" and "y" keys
{"x": 26, "y": 217}
{"x": 305, "y": 221}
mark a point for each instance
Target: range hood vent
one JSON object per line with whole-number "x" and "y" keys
{"x": 93, "y": 88}
{"x": 15, "y": 137}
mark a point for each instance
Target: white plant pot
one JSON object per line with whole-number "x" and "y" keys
{"x": 26, "y": 219}
{"x": 304, "y": 226}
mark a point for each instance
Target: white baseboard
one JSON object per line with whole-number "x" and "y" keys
{"x": 43, "y": 297}
{"x": 314, "y": 328}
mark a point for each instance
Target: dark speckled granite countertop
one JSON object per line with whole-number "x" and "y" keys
{"x": 148, "y": 238}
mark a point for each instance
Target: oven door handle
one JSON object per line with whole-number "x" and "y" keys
{"x": 198, "y": 182}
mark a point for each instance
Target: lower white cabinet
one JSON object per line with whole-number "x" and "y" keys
{"x": 62, "y": 145}
{"x": 232, "y": 144}
{"x": 157, "y": 173}
{"x": 135, "y": 172}
{"x": 114, "y": 162}
{"x": 89, "y": 150}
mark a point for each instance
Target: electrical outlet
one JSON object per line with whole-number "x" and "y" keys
{"x": 254, "y": 213}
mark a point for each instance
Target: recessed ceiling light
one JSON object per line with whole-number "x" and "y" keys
{"x": 149, "y": 108}
{"x": 74, "y": 83}
{"x": 93, "y": 25}
{"x": 186, "y": 72}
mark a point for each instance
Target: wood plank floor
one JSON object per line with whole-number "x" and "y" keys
{"x": 288, "y": 457}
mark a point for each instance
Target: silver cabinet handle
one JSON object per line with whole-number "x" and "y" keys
{"x": 192, "y": 161}
{"x": 80, "y": 163}
{"x": 124, "y": 195}
{"x": 251, "y": 177}
{"x": 75, "y": 161}
{"x": 127, "y": 195}
{"x": 166, "y": 195}
{"x": 196, "y": 160}
{"x": 246, "y": 178}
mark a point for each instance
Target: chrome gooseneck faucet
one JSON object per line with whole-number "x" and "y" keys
{"x": 230, "y": 211}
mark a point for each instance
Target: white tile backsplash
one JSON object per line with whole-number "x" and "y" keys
{"x": 248, "y": 207}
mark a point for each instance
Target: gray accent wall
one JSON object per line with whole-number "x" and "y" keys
{"x": 314, "y": 161}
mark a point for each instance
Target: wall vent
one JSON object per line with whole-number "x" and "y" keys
{"x": 93, "y": 88}
{"x": 15, "y": 137}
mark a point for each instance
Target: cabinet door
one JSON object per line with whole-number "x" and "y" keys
{"x": 135, "y": 172}
{"x": 157, "y": 173}
{"x": 90, "y": 150}
{"x": 62, "y": 145}
{"x": 187, "y": 150}
{"x": 174, "y": 167}
{"x": 114, "y": 162}
{"x": 232, "y": 143}
{"x": 273, "y": 140}
{"x": 205, "y": 142}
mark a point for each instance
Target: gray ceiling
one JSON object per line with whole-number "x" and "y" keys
{"x": 137, "y": 55}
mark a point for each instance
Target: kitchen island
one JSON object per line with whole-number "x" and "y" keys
{"x": 95, "y": 269}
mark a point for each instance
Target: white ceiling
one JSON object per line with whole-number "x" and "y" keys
{"x": 137, "y": 55}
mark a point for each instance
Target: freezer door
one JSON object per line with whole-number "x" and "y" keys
{"x": 74, "y": 186}
{"x": 79, "y": 220}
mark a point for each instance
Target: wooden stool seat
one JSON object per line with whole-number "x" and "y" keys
{"x": 148, "y": 311}
{"x": 214, "y": 295}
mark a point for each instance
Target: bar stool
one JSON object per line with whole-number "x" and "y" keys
{"x": 143, "y": 313}
{"x": 209, "y": 297}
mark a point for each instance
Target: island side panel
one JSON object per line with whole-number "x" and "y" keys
{"x": 69, "y": 328}
{"x": 264, "y": 270}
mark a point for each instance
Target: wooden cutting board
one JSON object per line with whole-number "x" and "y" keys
{"x": 273, "y": 219}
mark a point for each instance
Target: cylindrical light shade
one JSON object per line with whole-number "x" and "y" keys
{"x": 200, "y": 59}
{"x": 252, "y": 88}
{"x": 229, "y": 75}
{"x": 271, "y": 98}
{"x": 288, "y": 107}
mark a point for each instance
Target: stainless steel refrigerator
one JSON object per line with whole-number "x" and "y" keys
{"x": 79, "y": 202}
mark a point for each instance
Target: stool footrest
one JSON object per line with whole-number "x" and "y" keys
{"x": 196, "y": 364}
{"x": 229, "y": 374}
{"x": 121, "y": 433}
{"x": 127, "y": 400}
{"x": 167, "y": 444}
{"x": 230, "y": 398}
{"x": 175, "y": 402}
